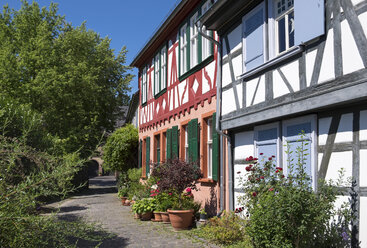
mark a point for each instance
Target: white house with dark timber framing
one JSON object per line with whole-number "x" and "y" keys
{"x": 288, "y": 66}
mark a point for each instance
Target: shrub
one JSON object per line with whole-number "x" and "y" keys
{"x": 284, "y": 210}
{"x": 229, "y": 229}
{"x": 120, "y": 151}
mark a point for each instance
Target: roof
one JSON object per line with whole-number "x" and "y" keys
{"x": 175, "y": 17}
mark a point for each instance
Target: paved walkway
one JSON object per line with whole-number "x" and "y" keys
{"x": 100, "y": 204}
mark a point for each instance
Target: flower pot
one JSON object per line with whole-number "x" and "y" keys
{"x": 165, "y": 217}
{"x": 146, "y": 216}
{"x": 127, "y": 203}
{"x": 137, "y": 216}
{"x": 123, "y": 200}
{"x": 157, "y": 216}
{"x": 181, "y": 219}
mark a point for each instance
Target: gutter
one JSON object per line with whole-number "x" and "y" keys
{"x": 199, "y": 25}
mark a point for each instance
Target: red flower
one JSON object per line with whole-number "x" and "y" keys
{"x": 279, "y": 168}
{"x": 270, "y": 158}
{"x": 238, "y": 172}
{"x": 254, "y": 194}
{"x": 265, "y": 169}
{"x": 188, "y": 190}
{"x": 170, "y": 193}
{"x": 282, "y": 176}
{"x": 262, "y": 177}
{"x": 248, "y": 168}
{"x": 257, "y": 179}
{"x": 261, "y": 153}
{"x": 271, "y": 189}
{"x": 273, "y": 156}
{"x": 276, "y": 171}
{"x": 251, "y": 158}
{"x": 255, "y": 158}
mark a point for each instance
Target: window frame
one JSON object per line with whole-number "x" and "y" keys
{"x": 144, "y": 83}
{"x": 277, "y": 17}
{"x": 160, "y": 71}
{"x": 313, "y": 139}
{"x": 186, "y": 65}
{"x": 209, "y": 147}
{"x": 277, "y": 140}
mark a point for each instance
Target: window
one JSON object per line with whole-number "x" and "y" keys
{"x": 207, "y": 45}
{"x": 158, "y": 148}
{"x": 186, "y": 143}
{"x": 210, "y": 148}
{"x": 289, "y": 23}
{"x": 160, "y": 71}
{"x": 183, "y": 49}
{"x": 144, "y": 86}
{"x": 267, "y": 141}
{"x": 194, "y": 49}
{"x": 194, "y": 41}
{"x": 284, "y": 25}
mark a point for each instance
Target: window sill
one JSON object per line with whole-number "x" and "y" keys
{"x": 160, "y": 93}
{"x": 206, "y": 180}
{"x": 196, "y": 68}
{"x": 273, "y": 62}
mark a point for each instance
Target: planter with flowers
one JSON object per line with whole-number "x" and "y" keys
{"x": 177, "y": 176}
{"x": 123, "y": 193}
{"x": 144, "y": 208}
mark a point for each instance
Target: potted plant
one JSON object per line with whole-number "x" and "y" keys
{"x": 175, "y": 176}
{"x": 145, "y": 208}
{"x": 203, "y": 215}
{"x": 163, "y": 202}
{"x": 136, "y": 209}
{"x": 123, "y": 193}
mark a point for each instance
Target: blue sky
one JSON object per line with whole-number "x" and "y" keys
{"x": 128, "y": 23}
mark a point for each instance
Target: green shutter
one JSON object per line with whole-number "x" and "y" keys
{"x": 175, "y": 142}
{"x": 169, "y": 144}
{"x": 215, "y": 152}
{"x": 147, "y": 157}
{"x": 193, "y": 140}
{"x": 140, "y": 153}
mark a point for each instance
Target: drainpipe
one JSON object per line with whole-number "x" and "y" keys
{"x": 218, "y": 128}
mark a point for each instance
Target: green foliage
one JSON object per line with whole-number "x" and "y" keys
{"x": 164, "y": 201}
{"x": 285, "y": 211}
{"x": 120, "y": 151}
{"x": 68, "y": 75}
{"x": 229, "y": 229}
{"x": 144, "y": 205}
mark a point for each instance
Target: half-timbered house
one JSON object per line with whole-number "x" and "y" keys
{"x": 289, "y": 66}
{"x": 177, "y": 85}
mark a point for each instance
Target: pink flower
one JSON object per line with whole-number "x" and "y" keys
{"x": 188, "y": 190}
{"x": 262, "y": 177}
{"x": 271, "y": 189}
{"x": 169, "y": 193}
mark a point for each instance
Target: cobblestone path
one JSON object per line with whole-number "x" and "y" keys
{"x": 100, "y": 204}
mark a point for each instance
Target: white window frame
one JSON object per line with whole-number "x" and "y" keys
{"x": 277, "y": 140}
{"x": 186, "y": 143}
{"x": 210, "y": 147}
{"x": 144, "y": 85}
{"x": 206, "y": 44}
{"x": 156, "y": 73}
{"x": 183, "y": 49}
{"x": 163, "y": 68}
{"x": 277, "y": 17}
{"x": 313, "y": 139}
{"x": 194, "y": 41}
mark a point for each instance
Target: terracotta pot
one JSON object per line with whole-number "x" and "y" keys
{"x": 123, "y": 200}
{"x": 127, "y": 203}
{"x": 181, "y": 219}
{"x": 137, "y": 216}
{"x": 157, "y": 216}
{"x": 165, "y": 217}
{"x": 146, "y": 216}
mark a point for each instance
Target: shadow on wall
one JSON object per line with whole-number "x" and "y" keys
{"x": 211, "y": 204}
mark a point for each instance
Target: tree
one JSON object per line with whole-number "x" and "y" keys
{"x": 69, "y": 75}
{"x": 120, "y": 151}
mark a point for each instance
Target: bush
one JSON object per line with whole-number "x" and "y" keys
{"x": 120, "y": 151}
{"x": 285, "y": 211}
{"x": 229, "y": 229}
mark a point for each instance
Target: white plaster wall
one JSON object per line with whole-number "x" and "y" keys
{"x": 363, "y": 19}
{"x": 363, "y": 168}
{"x": 244, "y": 145}
{"x": 228, "y": 101}
{"x": 250, "y": 90}
{"x": 170, "y": 94}
{"x": 351, "y": 59}
{"x": 363, "y": 223}
{"x": 210, "y": 70}
{"x": 226, "y": 75}
{"x": 363, "y": 125}
{"x": 291, "y": 72}
{"x": 181, "y": 89}
{"x": 279, "y": 88}
{"x": 169, "y": 68}
{"x": 186, "y": 92}
{"x": 340, "y": 200}
{"x": 327, "y": 66}
{"x": 324, "y": 126}
{"x": 345, "y": 129}
{"x": 337, "y": 161}
{"x": 319, "y": 160}
{"x": 355, "y": 2}
{"x": 239, "y": 94}
{"x": 237, "y": 65}
{"x": 310, "y": 62}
